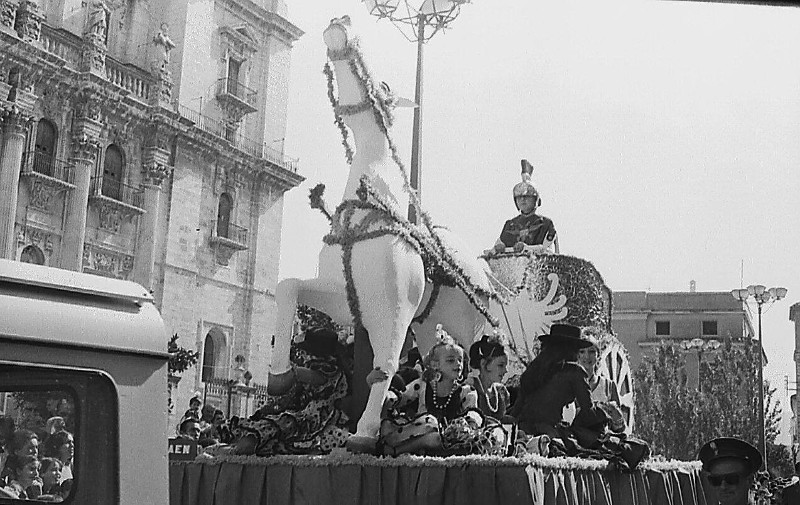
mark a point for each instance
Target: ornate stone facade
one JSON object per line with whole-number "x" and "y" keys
{"x": 143, "y": 198}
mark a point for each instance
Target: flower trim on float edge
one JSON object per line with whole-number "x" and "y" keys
{"x": 344, "y": 458}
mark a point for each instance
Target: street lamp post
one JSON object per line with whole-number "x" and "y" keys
{"x": 762, "y": 296}
{"x": 412, "y": 18}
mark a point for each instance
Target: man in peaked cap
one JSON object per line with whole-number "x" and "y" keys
{"x": 730, "y": 465}
{"x": 528, "y": 228}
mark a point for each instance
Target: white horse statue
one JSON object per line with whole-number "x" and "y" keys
{"x": 371, "y": 270}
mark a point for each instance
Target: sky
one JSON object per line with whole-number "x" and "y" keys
{"x": 665, "y": 137}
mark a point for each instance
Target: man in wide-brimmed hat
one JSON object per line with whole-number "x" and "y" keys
{"x": 730, "y": 465}
{"x": 551, "y": 381}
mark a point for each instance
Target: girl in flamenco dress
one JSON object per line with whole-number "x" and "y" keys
{"x": 488, "y": 360}
{"x": 306, "y": 419}
{"x": 447, "y": 419}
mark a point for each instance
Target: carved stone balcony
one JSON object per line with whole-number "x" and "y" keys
{"x": 46, "y": 176}
{"x": 116, "y": 201}
{"x": 236, "y": 98}
{"x": 227, "y": 239}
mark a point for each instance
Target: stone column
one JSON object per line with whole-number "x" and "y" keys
{"x": 13, "y": 123}
{"x": 84, "y": 154}
{"x": 154, "y": 170}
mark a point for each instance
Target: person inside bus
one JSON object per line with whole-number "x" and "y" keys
{"x": 23, "y": 443}
{"x": 53, "y": 487}
{"x": 61, "y": 445}
{"x": 25, "y": 483}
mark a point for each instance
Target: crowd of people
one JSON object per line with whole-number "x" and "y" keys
{"x": 204, "y": 424}
{"x": 36, "y": 466}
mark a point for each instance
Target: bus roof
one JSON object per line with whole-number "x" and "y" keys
{"x": 63, "y": 307}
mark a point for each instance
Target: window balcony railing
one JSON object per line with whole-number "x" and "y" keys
{"x": 227, "y": 87}
{"x": 257, "y": 149}
{"x": 105, "y": 187}
{"x": 38, "y": 163}
{"x": 232, "y": 233}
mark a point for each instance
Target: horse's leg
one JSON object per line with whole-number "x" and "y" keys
{"x": 280, "y": 376}
{"x": 389, "y": 294}
{"x": 325, "y": 295}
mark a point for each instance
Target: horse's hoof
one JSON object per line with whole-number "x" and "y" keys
{"x": 361, "y": 445}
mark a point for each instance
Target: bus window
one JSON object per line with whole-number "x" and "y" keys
{"x": 37, "y": 429}
{"x": 53, "y": 423}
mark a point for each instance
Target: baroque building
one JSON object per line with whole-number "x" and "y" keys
{"x": 142, "y": 140}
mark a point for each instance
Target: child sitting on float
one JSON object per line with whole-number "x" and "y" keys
{"x": 446, "y": 409}
{"x": 604, "y": 392}
{"x": 305, "y": 415}
{"x": 489, "y": 362}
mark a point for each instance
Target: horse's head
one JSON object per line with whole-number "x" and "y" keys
{"x": 338, "y": 37}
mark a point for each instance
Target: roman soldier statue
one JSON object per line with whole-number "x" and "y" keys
{"x": 528, "y": 228}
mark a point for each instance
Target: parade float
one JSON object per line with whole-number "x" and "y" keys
{"x": 380, "y": 273}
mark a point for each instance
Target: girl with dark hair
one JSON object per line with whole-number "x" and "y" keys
{"x": 52, "y": 488}
{"x": 305, "y": 414}
{"x": 488, "y": 359}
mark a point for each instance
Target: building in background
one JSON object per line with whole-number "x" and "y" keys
{"x": 794, "y": 430}
{"x": 694, "y": 320}
{"x": 143, "y": 140}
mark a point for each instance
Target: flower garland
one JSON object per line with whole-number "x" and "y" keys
{"x": 348, "y": 149}
{"x": 341, "y": 457}
{"x": 381, "y": 219}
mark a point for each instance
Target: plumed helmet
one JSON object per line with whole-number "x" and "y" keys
{"x": 525, "y": 188}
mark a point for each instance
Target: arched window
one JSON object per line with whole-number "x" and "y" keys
{"x": 32, "y": 254}
{"x": 45, "y": 147}
{"x": 208, "y": 358}
{"x": 224, "y": 215}
{"x": 113, "y": 166}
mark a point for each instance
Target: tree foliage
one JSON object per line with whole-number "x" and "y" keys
{"x": 35, "y": 407}
{"x": 677, "y": 418}
{"x": 180, "y": 358}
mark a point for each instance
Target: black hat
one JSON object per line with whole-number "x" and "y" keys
{"x": 728, "y": 447}
{"x": 565, "y": 334}
{"x": 319, "y": 342}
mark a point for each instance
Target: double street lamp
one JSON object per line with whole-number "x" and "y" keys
{"x": 418, "y": 21}
{"x": 762, "y": 296}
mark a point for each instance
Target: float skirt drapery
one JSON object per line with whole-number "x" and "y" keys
{"x": 366, "y": 480}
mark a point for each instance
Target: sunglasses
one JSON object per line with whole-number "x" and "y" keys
{"x": 731, "y": 479}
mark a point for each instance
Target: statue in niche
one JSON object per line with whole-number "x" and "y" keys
{"x": 164, "y": 44}
{"x": 98, "y": 20}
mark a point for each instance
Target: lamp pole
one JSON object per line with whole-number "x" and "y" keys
{"x": 762, "y": 296}
{"x": 412, "y": 17}
{"x": 416, "y": 135}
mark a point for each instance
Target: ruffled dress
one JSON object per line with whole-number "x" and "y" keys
{"x": 307, "y": 419}
{"x": 453, "y": 424}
